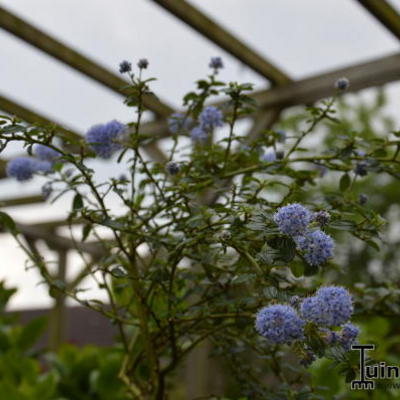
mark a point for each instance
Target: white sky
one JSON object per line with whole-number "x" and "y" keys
{"x": 301, "y": 37}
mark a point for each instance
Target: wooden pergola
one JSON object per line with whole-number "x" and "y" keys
{"x": 283, "y": 92}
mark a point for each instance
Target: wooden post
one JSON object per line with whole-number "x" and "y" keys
{"x": 57, "y": 316}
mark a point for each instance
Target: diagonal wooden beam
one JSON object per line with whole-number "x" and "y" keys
{"x": 364, "y": 75}
{"x": 55, "y": 48}
{"x": 13, "y": 108}
{"x": 224, "y": 39}
{"x": 384, "y": 12}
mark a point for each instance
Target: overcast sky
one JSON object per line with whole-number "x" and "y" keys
{"x": 301, "y": 37}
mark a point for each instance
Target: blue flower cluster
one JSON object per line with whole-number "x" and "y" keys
{"x": 216, "y": 63}
{"x": 125, "y": 66}
{"x": 330, "y": 306}
{"x": 172, "y": 167}
{"x": 210, "y": 118}
{"x": 279, "y": 323}
{"x": 348, "y": 335}
{"x": 104, "y": 139}
{"x": 281, "y": 135}
{"x": 361, "y": 168}
{"x": 268, "y": 156}
{"x": 321, "y": 217}
{"x": 45, "y": 153}
{"x": 317, "y": 247}
{"x": 23, "y": 168}
{"x": 143, "y": 63}
{"x": 198, "y": 135}
{"x": 294, "y": 220}
{"x": 179, "y": 122}
{"x": 342, "y": 84}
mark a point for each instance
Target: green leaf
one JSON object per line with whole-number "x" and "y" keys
{"x": 373, "y": 244}
{"x": 31, "y": 332}
{"x": 285, "y": 246}
{"x": 86, "y": 231}
{"x": 77, "y": 203}
{"x": 344, "y": 225}
{"x": 310, "y": 270}
{"x": 7, "y": 223}
{"x": 297, "y": 269}
{"x": 345, "y": 182}
{"x": 118, "y": 272}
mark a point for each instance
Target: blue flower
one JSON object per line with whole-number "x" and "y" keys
{"x": 360, "y": 153}
{"x": 279, "y": 323}
{"x": 103, "y": 138}
{"x": 23, "y": 168}
{"x": 172, "y": 167}
{"x": 332, "y": 337}
{"x": 322, "y": 170}
{"x": 125, "y": 66}
{"x": 331, "y": 306}
{"x": 308, "y": 358}
{"x": 362, "y": 199}
{"x": 198, "y": 135}
{"x": 349, "y": 335}
{"x": 143, "y": 63}
{"x": 268, "y": 156}
{"x": 361, "y": 168}
{"x": 292, "y": 219}
{"x": 216, "y": 63}
{"x": 317, "y": 247}
{"x": 342, "y": 84}
{"x": 45, "y": 153}
{"x": 281, "y": 135}
{"x": 179, "y": 122}
{"x": 295, "y": 301}
{"x": 321, "y": 217}
{"x": 47, "y": 190}
{"x": 210, "y": 118}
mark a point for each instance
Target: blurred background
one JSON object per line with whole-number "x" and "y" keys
{"x": 302, "y": 39}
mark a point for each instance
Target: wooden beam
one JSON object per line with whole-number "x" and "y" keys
{"x": 224, "y": 39}
{"x": 3, "y": 164}
{"x": 58, "y": 223}
{"x": 263, "y": 119}
{"x": 21, "y": 201}
{"x": 306, "y": 91}
{"x": 11, "y": 107}
{"x": 55, "y": 48}
{"x": 384, "y": 12}
{"x": 59, "y": 242}
{"x": 58, "y": 311}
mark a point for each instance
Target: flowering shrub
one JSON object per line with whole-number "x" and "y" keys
{"x": 221, "y": 234}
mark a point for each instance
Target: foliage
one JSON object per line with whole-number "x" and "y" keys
{"x": 191, "y": 253}
{"x": 28, "y": 373}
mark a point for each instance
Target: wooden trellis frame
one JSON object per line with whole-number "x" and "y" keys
{"x": 283, "y": 92}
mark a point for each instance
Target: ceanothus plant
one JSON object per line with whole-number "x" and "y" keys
{"x": 219, "y": 243}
